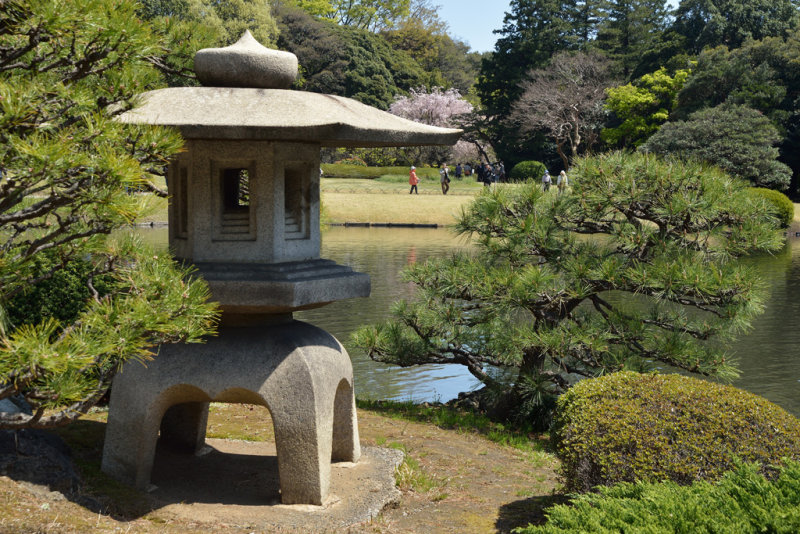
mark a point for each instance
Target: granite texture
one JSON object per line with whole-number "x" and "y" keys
{"x": 281, "y": 115}
{"x": 300, "y": 372}
{"x": 246, "y": 63}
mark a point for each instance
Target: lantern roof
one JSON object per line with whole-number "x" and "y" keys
{"x": 246, "y": 97}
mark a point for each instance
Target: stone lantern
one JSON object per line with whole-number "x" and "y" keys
{"x": 245, "y": 210}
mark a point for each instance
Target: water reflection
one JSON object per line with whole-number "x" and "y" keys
{"x": 382, "y": 253}
{"x": 769, "y": 356}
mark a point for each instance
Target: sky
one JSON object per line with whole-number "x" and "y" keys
{"x": 472, "y": 21}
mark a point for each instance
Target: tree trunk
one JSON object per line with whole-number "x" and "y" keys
{"x": 560, "y": 149}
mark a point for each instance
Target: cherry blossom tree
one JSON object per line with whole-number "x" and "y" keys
{"x": 437, "y": 107}
{"x": 434, "y": 107}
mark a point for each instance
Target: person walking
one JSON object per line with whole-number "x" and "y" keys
{"x": 488, "y": 179}
{"x": 459, "y": 170}
{"x": 444, "y": 178}
{"x": 413, "y": 180}
{"x": 562, "y": 183}
{"x": 546, "y": 180}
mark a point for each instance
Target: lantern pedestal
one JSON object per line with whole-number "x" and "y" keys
{"x": 301, "y": 373}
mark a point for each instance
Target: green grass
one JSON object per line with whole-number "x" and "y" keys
{"x": 409, "y": 475}
{"x": 461, "y": 420}
{"x": 398, "y": 184}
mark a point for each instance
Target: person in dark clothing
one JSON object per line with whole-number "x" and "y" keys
{"x": 488, "y": 176}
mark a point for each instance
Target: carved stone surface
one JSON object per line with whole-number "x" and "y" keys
{"x": 281, "y": 115}
{"x": 300, "y": 372}
{"x": 246, "y": 63}
{"x": 244, "y": 207}
{"x": 282, "y": 287}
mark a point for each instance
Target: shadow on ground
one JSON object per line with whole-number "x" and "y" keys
{"x": 526, "y": 511}
{"x": 231, "y": 481}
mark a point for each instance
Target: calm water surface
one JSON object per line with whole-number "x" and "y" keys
{"x": 769, "y": 356}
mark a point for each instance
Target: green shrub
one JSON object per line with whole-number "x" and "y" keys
{"x": 527, "y": 170}
{"x": 784, "y": 208}
{"x": 627, "y": 427}
{"x": 63, "y": 296}
{"x": 742, "y": 502}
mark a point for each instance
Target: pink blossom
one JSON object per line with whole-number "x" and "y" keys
{"x": 437, "y": 107}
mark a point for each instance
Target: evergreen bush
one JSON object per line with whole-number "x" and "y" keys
{"x": 527, "y": 170}
{"x": 742, "y": 502}
{"x": 628, "y": 427}
{"x": 63, "y": 296}
{"x": 784, "y": 208}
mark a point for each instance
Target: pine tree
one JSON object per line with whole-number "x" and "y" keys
{"x": 628, "y": 29}
{"x": 633, "y": 269}
{"x": 66, "y": 69}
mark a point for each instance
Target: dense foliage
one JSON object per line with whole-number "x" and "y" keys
{"x": 627, "y": 427}
{"x": 738, "y": 139}
{"x": 641, "y": 107}
{"x": 629, "y": 30}
{"x": 63, "y": 296}
{"x": 649, "y": 282}
{"x": 730, "y": 23}
{"x": 424, "y": 37}
{"x": 346, "y": 61}
{"x": 744, "y": 51}
{"x": 742, "y": 502}
{"x": 781, "y": 204}
{"x": 532, "y": 32}
{"x": 222, "y": 22}
{"x": 65, "y": 70}
{"x": 761, "y": 75}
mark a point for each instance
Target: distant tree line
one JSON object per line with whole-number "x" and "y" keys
{"x": 731, "y": 58}
{"x": 565, "y": 77}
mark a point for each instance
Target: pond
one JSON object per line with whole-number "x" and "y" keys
{"x": 768, "y": 356}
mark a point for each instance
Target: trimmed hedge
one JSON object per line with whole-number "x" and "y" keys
{"x": 784, "y": 208}
{"x": 527, "y": 170}
{"x": 743, "y": 502}
{"x": 628, "y": 427}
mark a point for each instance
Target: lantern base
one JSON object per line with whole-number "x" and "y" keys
{"x": 252, "y": 288}
{"x": 301, "y": 373}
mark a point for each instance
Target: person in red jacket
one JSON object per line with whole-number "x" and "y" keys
{"x": 413, "y": 180}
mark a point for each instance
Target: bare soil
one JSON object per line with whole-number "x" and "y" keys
{"x": 452, "y": 481}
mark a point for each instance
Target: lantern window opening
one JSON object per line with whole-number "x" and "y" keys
{"x": 235, "y": 190}
{"x": 235, "y": 215}
{"x": 296, "y": 201}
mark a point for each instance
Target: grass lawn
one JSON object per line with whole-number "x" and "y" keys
{"x": 343, "y": 170}
{"x": 392, "y": 208}
{"x": 387, "y": 200}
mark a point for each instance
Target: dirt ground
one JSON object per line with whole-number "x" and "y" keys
{"x": 451, "y": 481}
